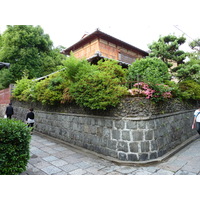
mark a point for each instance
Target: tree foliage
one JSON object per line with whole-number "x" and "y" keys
{"x": 23, "y": 90}
{"x": 167, "y": 49}
{"x": 111, "y": 67}
{"x": 51, "y": 90}
{"x": 190, "y": 89}
{"x": 28, "y": 50}
{"x": 74, "y": 68}
{"x": 148, "y": 69}
{"x": 189, "y": 71}
{"x": 97, "y": 90}
{"x": 195, "y": 45}
{"x": 5, "y": 78}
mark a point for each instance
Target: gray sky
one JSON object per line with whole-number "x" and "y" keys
{"x": 138, "y": 23}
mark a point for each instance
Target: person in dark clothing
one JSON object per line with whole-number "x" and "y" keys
{"x": 9, "y": 111}
{"x": 30, "y": 118}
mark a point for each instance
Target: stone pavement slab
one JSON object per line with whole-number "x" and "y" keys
{"x": 50, "y": 156}
{"x": 51, "y": 169}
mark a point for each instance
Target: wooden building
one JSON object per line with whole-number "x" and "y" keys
{"x": 99, "y": 45}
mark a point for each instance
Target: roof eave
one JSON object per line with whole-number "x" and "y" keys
{"x": 99, "y": 34}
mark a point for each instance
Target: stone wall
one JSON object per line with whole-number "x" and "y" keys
{"x": 2, "y": 109}
{"x": 141, "y": 135}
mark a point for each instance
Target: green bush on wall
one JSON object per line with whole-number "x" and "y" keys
{"x": 190, "y": 89}
{"x": 14, "y": 146}
{"x": 97, "y": 90}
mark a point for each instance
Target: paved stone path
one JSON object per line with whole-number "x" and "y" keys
{"x": 52, "y": 157}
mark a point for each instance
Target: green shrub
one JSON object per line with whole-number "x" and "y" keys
{"x": 14, "y": 146}
{"x": 52, "y": 90}
{"x": 175, "y": 90}
{"x": 189, "y": 71}
{"x": 190, "y": 90}
{"x": 5, "y": 78}
{"x": 73, "y": 66}
{"x": 147, "y": 70}
{"x": 23, "y": 90}
{"x": 111, "y": 67}
{"x": 97, "y": 90}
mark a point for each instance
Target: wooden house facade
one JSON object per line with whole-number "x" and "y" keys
{"x": 98, "y": 45}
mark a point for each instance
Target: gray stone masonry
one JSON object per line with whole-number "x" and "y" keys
{"x": 123, "y": 138}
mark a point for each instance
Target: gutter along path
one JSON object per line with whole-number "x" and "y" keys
{"x": 50, "y": 156}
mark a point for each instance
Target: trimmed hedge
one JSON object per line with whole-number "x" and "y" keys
{"x": 14, "y": 146}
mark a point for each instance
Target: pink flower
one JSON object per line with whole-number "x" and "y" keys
{"x": 144, "y": 89}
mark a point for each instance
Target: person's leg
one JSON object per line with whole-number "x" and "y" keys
{"x": 198, "y": 127}
{"x": 9, "y": 116}
{"x": 31, "y": 125}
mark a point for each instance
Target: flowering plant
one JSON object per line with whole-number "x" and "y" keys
{"x": 155, "y": 92}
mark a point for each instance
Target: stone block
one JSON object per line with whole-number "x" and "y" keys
{"x": 150, "y": 124}
{"x": 122, "y": 156}
{"x": 131, "y": 125}
{"x": 108, "y": 123}
{"x": 99, "y": 131}
{"x": 88, "y": 121}
{"x": 119, "y": 124}
{"x": 145, "y": 146}
{"x": 158, "y": 133}
{"x": 65, "y": 124}
{"x": 112, "y": 144}
{"x": 141, "y": 124}
{"x": 153, "y": 145}
{"x": 106, "y": 132}
{"x": 132, "y": 157}
{"x": 111, "y": 153}
{"x": 75, "y": 126}
{"x": 105, "y": 151}
{"x": 104, "y": 141}
{"x": 116, "y": 134}
{"x": 95, "y": 140}
{"x": 160, "y": 142}
{"x": 122, "y": 146}
{"x": 86, "y": 139}
{"x": 92, "y": 130}
{"x": 101, "y": 122}
{"x": 93, "y": 121}
{"x": 86, "y": 129}
{"x": 153, "y": 155}
{"x": 97, "y": 149}
{"x": 137, "y": 135}
{"x": 126, "y": 135}
{"x": 161, "y": 152}
{"x": 85, "y": 146}
{"x": 149, "y": 134}
{"x": 143, "y": 156}
{"x": 134, "y": 147}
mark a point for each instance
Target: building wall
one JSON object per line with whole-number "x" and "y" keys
{"x": 108, "y": 50}
{"x": 87, "y": 50}
{"x": 116, "y": 52}
{"x": 5, "y": 96}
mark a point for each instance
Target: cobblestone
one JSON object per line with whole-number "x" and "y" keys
{"x": 53, "y": 157}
